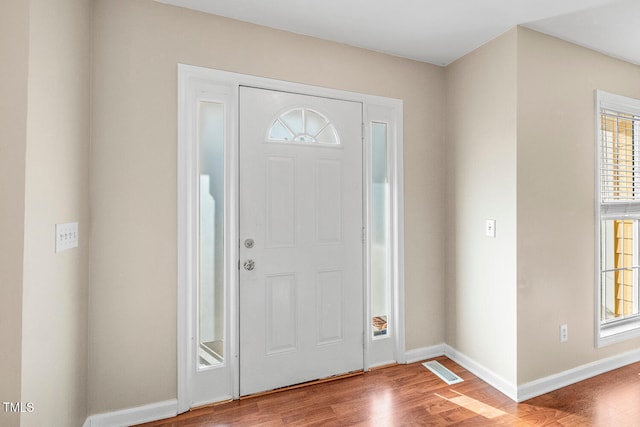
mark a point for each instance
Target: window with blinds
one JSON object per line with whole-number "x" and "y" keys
{"x": 619, "y": 166}
{"x": 618, "y": 197}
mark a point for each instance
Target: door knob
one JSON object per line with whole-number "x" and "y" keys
{"x": 249, "y": 265}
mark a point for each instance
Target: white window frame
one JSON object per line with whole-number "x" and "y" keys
{"x": 191, "y": 81}
{"x": 624, "y": 329}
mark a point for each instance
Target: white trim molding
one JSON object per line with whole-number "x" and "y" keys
{"x": 571, "y": 376}
{"x": 190, "y": 80}
{"x": 169, "y": 408}
{"x": 487, "y": 375}
{"x": 480, "y": 371}
{"x": 424, "y": 353}
{"x": 136, "y": 415}
{"x": 531, "y": 389}
{"x": 609, "y": 206}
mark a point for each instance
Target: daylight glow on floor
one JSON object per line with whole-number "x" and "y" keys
{"x": 473, "y": 405}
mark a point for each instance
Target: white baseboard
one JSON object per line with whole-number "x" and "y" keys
{"x": 424, "y": 353}
{"x": 469, "y": 364}
{"x": 553, "y": 382}
{"x": 169, "y": 408}
{"x": 487, "y": 375}
{"x": 137, "y": 415}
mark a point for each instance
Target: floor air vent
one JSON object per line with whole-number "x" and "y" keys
{"x": 445, "y": 375}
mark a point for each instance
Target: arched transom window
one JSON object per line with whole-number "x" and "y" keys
{"x": 303, "y": 125}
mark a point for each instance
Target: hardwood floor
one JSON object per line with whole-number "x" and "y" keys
{"x": 410, "y": 395}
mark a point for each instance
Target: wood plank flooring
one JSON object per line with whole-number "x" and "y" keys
{"x": 410, "y": 395}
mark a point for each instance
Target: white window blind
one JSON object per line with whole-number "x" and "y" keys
{"x": 619, "y": 163}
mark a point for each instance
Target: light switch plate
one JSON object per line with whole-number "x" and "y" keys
{"x": 490, "y": 228}
{"x": 66, "y": 236}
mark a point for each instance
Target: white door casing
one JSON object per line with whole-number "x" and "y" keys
{"x": 198, "y": 83}
{"x": 301, "y": 301}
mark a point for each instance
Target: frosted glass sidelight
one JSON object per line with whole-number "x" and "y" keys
{"x": 211, "y": 290}
{"x": 380, "y": 232}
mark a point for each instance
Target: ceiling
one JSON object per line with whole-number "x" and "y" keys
{"x": 441, "y": 31}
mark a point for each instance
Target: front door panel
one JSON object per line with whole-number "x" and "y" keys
{"x": 301, "y": 250}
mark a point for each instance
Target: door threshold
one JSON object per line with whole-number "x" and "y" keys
{"x": 388, "y": 365}
{"x": 209, "y": 405}
{"x": 305, "y": 384}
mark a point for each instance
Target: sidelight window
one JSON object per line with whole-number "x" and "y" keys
{"x": 380, "y": 232}
{"x": 211, "y": 286}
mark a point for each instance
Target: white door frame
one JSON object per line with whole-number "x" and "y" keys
{"x": 191, "y": 80}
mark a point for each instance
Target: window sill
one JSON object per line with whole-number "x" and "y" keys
{"x": 618, "y": 331}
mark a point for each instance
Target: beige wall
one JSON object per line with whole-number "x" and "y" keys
{"x": 132, "y": 321}
{"x": 54, "y": 345}
{"x": 14, "y": 51}
{"x": 556, "y": 142}
{"x": 481, "y": 184}
{"x": 507, "y": 105}
{"x": 520, "y": 149}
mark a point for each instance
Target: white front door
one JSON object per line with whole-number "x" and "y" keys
{"x": 301, "y": 244}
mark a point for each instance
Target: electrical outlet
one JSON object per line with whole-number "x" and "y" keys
{"x": 66, "y": 236}
{"x": 564, "y": 333}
